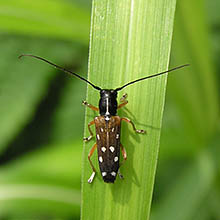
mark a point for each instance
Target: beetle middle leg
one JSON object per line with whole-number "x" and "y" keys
{"x": 93, "y": 168}
{"x": 90, "y": 131}
{"x": 134, "y": 128}
{"x": 90, "y": 106}
{"x": 123, "y": 100}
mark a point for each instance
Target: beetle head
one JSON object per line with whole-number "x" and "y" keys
{"x": 108, "y": 102}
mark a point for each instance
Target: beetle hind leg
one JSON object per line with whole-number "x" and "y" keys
{"x": 120, "y": 175}
{"x": 91, "y": 177}
{"x": 93, "y": 168}
{"x": 124, "y": 155}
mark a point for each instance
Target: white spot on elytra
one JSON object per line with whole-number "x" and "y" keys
{"x": 116, "y": 159}
{"x": 100, "y": 159}
{"x": 113, "y": 173}
{"x": 104, "y": 173}
{"x": 103, "y": 149}
{"x": 98, "y": 136}
{"x": 113, "y": 129}
{"x": 112, "y": 149}
{"x": 117, "y": 136}
{"x": 101, "y": 129}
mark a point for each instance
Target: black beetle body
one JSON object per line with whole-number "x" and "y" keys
{"x": 107, "y": 125}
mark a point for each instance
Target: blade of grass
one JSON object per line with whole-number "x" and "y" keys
{"x": 17, "y": 110}
{"x": 43, "y": 181}
{"x": 198, "y": 104}
{"x": 190, "y": 190}
{"x": 192, "y": 116}
{"x": 192, "y": 121}
{"x": 56, "y": 19}
{"x": 129, "y": 39}
{"x": 191, "y": 193}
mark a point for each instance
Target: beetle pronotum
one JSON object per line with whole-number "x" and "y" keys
{"x": 107, "y": 125}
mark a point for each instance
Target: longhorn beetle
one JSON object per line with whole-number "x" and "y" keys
{"x": 107, "y": 125}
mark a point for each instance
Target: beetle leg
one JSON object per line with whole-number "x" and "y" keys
{"x": 123, "y": 104}
{"x": 124, "y": 97}
{"x": 123, "y": 100}
{"x": 129, "y": 121}
{"x": 124, "y": 155}
{"x": 90, "y": 131}
{"x": 93, "y": 168}
{"x": 90, "y": 106}
{"x": 120, "y": 175}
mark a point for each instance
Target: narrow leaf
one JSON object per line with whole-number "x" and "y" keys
{"x": 24, "y": 82}
{"x": 129, "y": 40}
{"x": 56, "y": 19}
{"x": 189, "y": 191}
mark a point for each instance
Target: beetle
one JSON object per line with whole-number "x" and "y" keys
{"x": 107, "y": 125}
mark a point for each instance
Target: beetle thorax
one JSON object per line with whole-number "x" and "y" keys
{"x": 108, "y": 103}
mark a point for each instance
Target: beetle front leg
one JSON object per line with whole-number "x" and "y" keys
{"x": 136, "y": 130}
{"x": 93, "y": 168}
{"x": 90, "y": 106}
{"x": 90, "y": 131}
{"x": 123, "y": 100}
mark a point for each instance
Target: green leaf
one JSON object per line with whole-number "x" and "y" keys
{"x": 190, "y": 124}
{"x": 45, "y": 181}
{"x": 192, "y": 107}
{"x": 129, "y": 40}
{"x": 189, "y": 191}
{"x": 55, "y": 19}
{"x": 24, "y": 82}
{"x": 196, "y": 92}
{"x": 69, "y": 114}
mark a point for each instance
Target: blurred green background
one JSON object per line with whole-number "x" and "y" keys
{"x": 42, "y": 119}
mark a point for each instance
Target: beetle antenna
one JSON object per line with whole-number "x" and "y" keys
{"x": 61, "y": 68}
{"x": 151, "y": 76}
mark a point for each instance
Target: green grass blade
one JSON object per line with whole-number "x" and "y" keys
{"x": 43, "y": 181}
{"x": 198, "y": 104}
{"x": 129, "y": 39}
{"x": 55, "y": 19}
{"x": 21, "y": 91}
{"x": 185, "y": 197}
{"x": 191, "y": 123}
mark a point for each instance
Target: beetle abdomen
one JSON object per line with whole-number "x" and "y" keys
{"x": 108, "y": 144}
